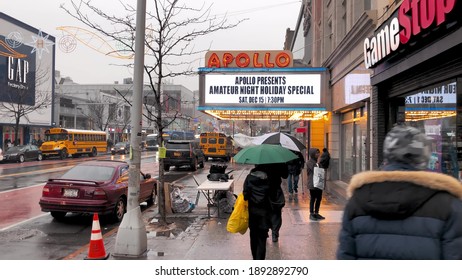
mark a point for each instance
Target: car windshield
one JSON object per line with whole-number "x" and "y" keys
{"x": 56, "y": 137}
{"x": 120, "y": 144}
{"x": 89, "y": 172}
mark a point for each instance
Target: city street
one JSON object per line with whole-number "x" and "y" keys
{"x": 26, "y": 233}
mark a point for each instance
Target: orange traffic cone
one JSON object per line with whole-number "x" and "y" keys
{"x": 96, "y": 250}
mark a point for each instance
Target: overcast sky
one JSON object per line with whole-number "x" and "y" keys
{"x": 264, "y": 30}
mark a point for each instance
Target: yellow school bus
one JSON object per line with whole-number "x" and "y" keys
{"x": 63, "y": 142}
{"x": 216, "y": 145}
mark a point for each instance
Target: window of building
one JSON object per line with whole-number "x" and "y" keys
{"x": 434, "y": 111}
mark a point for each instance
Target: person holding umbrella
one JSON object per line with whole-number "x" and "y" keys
{"x": 262, "y": 194}
{"x": 276, "y": 172}
{"x": 256, "y": 191}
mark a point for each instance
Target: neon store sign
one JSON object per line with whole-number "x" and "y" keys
{"x": 412, "y": 19}
{"x": 249, "y": 59}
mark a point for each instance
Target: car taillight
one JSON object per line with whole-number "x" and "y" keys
{"x": 99, "y": 193}
{"x": 45, "y": 191}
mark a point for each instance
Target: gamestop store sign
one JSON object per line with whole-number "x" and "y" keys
{"x": 412, "y": 22}
{"x": 263, "y": 88}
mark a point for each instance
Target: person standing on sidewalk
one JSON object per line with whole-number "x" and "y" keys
{"x": 256, "y": 191}
{"x": 315, "y": 193}
{"x": 403, "y": 211}
{"x": 276, "y": 172}
{"x": 294, "y": 169}
{"x": 324, "y": 161}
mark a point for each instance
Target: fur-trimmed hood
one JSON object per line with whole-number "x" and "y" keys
{"x": 435, "y": 181}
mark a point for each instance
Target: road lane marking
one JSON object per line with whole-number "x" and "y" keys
{"x": 36, "y": 172}
{"x": 25, "y": 221}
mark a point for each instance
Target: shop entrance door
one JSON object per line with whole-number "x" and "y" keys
{"x": 354, "y": 155}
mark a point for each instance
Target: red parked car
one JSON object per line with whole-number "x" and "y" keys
{"x": 97, "y": 186}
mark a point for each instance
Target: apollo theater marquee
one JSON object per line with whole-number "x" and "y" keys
{"x": 260, "y": 85}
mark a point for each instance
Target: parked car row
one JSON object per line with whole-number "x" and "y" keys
{"x": 21, "y": 153}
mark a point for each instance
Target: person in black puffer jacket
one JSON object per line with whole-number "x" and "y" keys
{"x": 403, "y": 212}
{"x": 256, "y": 191}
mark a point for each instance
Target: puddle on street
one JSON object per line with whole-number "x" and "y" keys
{"x": 175, "y": 227}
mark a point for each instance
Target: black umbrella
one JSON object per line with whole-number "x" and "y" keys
{"x": 280, "y": 138}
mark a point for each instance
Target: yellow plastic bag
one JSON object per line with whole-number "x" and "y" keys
{"x": 239, "y": 219}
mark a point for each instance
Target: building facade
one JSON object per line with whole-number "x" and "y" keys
{"x": 27, "y": 61}
{"x": 416, "y": 79}
{"x": 388, "y": 64}
{"x": 106, "y": 107}
{"x": 330, "y": 34}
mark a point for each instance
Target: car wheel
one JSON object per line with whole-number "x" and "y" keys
{"x": 39, "y": 157}
{"x": 63, "y": 154}
{"x": 194, "y": 165}
{"x": 21, "y": 158}
{"x": 58, "y": 215}
{"x": 152, "y": 198}
{"x": 201, "y": 164}
{"x": 166, "y": 167}
{"x": 119, "y": 210}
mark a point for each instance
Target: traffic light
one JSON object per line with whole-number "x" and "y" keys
{"x": 199, "y": 126}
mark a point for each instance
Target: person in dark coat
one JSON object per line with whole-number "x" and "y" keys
{"x": 256, "y": 191}
{"x": 315, "y": 193}
{"x": 403, "y": 212}
{"x": 294, "y": 169}
{"x": 324, "y": 160}
{"x": 276, "y": 172}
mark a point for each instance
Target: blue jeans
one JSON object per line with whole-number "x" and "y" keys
{"x": 292, "y": 182}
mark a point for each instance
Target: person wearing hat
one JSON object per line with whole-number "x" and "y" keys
{"x": 402, "y": 211}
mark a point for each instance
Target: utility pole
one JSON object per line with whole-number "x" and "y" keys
{"x": 131, "y": 240}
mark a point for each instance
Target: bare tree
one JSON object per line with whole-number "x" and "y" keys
{"x": 21, "y": 100}
{"x": 171, "y": 33}
{"x": 101, "y": 117}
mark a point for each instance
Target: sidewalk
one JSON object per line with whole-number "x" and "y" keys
{"x": 194, "y": 236}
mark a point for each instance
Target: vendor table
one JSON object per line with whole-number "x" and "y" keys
{"x": 209, "y": 188}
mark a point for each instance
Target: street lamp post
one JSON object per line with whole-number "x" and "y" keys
{"x": 75, "y": 116}
{"x": 131, "y": 240}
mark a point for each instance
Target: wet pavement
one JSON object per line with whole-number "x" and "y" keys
{"x": 195, "y": 236}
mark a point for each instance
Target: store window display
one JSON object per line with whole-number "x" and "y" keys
{"x": 433, "y": 110}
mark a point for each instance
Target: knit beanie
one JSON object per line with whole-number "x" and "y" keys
{"x": 406, "y": 144}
